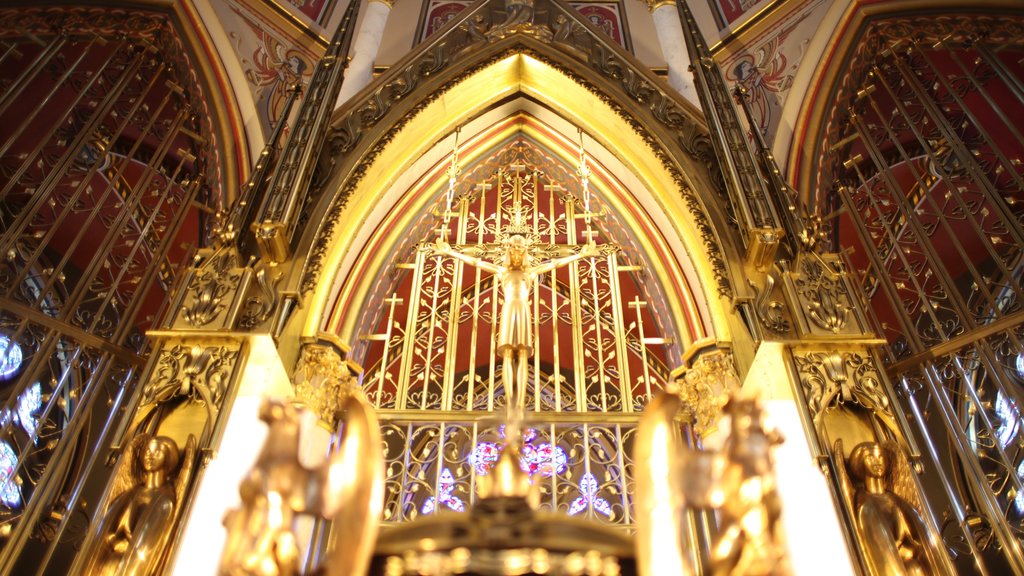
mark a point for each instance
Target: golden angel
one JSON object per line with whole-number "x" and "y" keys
{"x": 738, "y": 482}
{"x": 348, "y": 488}
{"x": 886, "y": 508}
{"x": 132, "y": 531}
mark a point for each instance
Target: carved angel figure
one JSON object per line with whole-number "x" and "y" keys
{"x": 348, "y": 488}
{"x": 737, "y": 481}
{"x": 260, "y": 533}
{"x": 893, "y": 535}
{"x": 145, "y": 499}
{"x": 746, "y": 496}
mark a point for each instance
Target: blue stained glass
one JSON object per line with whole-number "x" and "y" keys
{"x": 1019, "y": 500}
{"x": 30, "y": 401}
{"x": 9, "y": 493}
{"x": 10, "y": 357}
{"x": 1008, "y": 420}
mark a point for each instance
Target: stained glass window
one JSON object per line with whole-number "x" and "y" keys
{"x": 445, "y": 486}
{"x": 10, "y": 357}
{"x": 30, "y": 401}
{"x": 589, "y": 498}
{"x": 544, "y": 459}
{"x": 9, "y": 494}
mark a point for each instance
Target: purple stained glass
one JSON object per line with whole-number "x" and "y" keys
{"x": 545, "y": 459}
{"x": 483, "y": 457}
{"x": 445, "y": 486}
{"x": 588, "y": 497}
{"x": 9, "y": 493}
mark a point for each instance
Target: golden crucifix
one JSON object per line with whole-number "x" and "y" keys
{"x": 517, "y": 275}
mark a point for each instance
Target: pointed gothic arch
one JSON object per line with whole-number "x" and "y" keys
{"x": 381, "y": 137}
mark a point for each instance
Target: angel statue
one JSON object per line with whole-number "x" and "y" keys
{"x": 737, "y": 482}
{"x": 517, "y": 276}
{"x": 893, "y": 535}
{"x": 347, "y": 488}
{"x": 145, "y": 501}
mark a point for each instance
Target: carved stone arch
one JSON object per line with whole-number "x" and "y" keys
{"x": 412, "y": 108}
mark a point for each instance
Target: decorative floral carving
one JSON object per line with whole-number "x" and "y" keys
{"x": 214, "y": 279}
{"x": 259, "y": 306}
{"x": 829, "y": 379}
{"x": 822, "y": 296}
{"x": 705, "y": 388}
{"x": 769, "y": 312}
{"x": 323, "y": 381}
{"x": 195, "y": 373}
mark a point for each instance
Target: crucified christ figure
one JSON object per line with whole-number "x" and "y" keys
{"x": 515, "y": 332}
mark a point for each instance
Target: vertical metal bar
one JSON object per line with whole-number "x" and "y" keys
{"x": 575, "y": 311}
{"x": 884, "y": 279}
{"x": 962, "y": 446}
{"x": 619, "y": 332}
{"x": 948, "y": 487}
{"x": 599, "y": 334}
{"x": 44, "y": 103}
{"x": 455, "y": 303}
{"x": 475, "y": 318}
{"x": 928, "y": 198}
{"x": 84, "y": 186}
{"x": 623, "y": 486}
{"x": 409, "y": 343}
{"x": 964, "y": 155}
{"x": 969, "y": 112}
{"x": 41, "y": 61}
{"x": 1013, "y": 82}
{"x": 896, "y": 193}
{"x": 556, "y": 370}
{"x": 86, "y": 132}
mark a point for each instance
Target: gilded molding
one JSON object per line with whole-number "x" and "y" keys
{"x": 647, "y": 94}
{"x": 653, "y": 5}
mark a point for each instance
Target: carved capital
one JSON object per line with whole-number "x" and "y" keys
{"x": 389, "y": 3}
{"x": 653, "y": 5}
{"x": 324, "y": 380}
{"x": 705, "y": 386}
